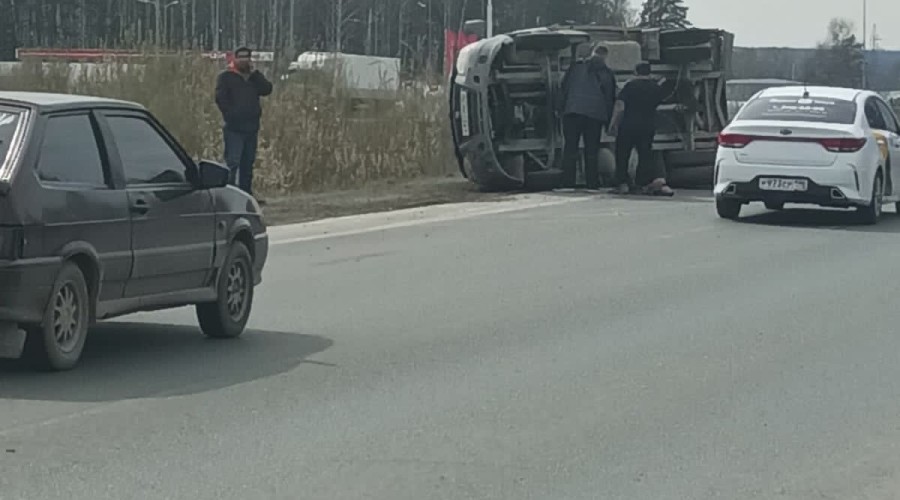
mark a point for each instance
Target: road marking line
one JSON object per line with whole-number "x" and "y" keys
{"x": 517, "y": 206}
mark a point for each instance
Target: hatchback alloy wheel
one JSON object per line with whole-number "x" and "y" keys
{"x": 67, "y": 318}
{"x": 227, "y": 316}
{"x": 236, "y": 290}
{"x": 58, "y": 341}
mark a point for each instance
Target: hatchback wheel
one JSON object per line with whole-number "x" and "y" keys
{"x": 870, "y": 214}
{"x": 57, "y": 343}
{"x": 728, "y": 209}
{"x": 227, "y": 317}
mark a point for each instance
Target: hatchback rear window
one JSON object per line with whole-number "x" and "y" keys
{"x": 798, "y": 109}
{"x": 9, "y": 124}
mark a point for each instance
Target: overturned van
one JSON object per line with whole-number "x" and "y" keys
{"x": 504, "y": 90}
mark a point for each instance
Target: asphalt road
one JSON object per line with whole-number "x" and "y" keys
{"x": 583, "y": 348}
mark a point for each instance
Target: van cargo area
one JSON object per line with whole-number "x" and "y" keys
{"x": 504, "y": 92}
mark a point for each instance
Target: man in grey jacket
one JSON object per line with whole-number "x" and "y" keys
{"x": 588, "y": 97}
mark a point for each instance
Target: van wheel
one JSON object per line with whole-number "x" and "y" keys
{"x": 227, "y": 317}
{"x": 57, "y": 343}
{"x": 869, "y": 215}
{"x": 728, "y": 209}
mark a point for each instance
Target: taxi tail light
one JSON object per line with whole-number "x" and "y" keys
{"x": 735, "y": 141}
{"x": 843, "y": 145}
{"x": 833, "y": 144}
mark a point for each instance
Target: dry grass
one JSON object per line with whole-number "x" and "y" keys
{"x": 309, "y": 140}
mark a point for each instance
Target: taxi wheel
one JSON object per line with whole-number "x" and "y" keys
{"x": 57, "y": 343}
{"x": 869, "y": 215}
{"x": 227, "y": 317}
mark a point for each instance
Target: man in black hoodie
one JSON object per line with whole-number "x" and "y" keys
{"x": 238, "y": 90}
{"x": 588, "y": 97}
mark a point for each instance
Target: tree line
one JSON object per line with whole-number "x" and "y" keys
{"x": 410, "y": 29}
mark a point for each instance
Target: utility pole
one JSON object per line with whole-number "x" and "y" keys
{"x": 865, "y": 23}
{"x": 865, "y": 82}
{"x": 83, "y": 23}
{"x": 369, "y": 48}
{"x": 490, "y": 18}
{"x": 215, "y": 25}
{"x": 291, "y": 28}
{"x": 158, "y": 5}
{"x": 339, "y": 26}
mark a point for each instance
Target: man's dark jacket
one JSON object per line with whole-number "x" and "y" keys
{"x": 588, "y": 89}
{"x": 238, "y": 99}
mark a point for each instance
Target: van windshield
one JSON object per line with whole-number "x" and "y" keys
{"x": 9, "y": 124}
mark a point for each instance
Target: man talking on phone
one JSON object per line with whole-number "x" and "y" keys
{"x": 238, "y": 90}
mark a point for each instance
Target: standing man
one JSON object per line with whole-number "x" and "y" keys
{"x": 588, "y": 96}
{"x": 238, "y": 90}
{"x": 634, "y": 125}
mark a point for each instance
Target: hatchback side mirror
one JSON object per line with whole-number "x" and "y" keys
{"x": 213, "y": 175}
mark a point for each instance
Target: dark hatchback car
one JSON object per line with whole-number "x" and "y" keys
{"x": 103, "y": 213}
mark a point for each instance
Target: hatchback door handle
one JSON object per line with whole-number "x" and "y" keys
{"x": 140, "y": 206}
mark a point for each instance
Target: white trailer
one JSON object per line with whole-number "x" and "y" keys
{"x": 362, "y": 77}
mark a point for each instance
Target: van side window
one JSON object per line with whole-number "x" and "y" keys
{"x": 146, "y": 156}
{"x": 69, "y": 152}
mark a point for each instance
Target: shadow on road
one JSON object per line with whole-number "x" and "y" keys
{"x": 139, "y": 360}
{"x": 842, "y": 220}
{"x": 684, "y": 196}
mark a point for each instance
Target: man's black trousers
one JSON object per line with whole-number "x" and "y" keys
{"x": 575, "y": 128}
{"x": 642, "y": 141}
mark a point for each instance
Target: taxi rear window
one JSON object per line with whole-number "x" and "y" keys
{"x": 813, "y": 109}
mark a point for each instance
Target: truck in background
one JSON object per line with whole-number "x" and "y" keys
{"x": 366, "y": 80}
{"x": 503, "y": 93}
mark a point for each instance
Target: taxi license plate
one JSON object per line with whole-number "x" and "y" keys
{"x": 778, "y": 184}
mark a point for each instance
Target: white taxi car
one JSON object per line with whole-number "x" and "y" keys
{"x": 824, "y": 146}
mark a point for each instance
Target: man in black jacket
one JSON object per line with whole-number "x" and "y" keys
{"x": 634, "y": 125}
{"x": 588, "y": 97}
{"x": 238, "y": 90}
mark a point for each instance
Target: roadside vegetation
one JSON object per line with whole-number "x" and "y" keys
{"x": 311, "y": 139}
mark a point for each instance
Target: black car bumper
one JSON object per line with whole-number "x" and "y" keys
{"x": 815, "y": 194}
{"x": 25, "y": 287}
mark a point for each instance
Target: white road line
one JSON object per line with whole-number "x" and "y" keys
{"x": 331, "y": 228}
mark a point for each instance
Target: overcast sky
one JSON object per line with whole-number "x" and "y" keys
{"x": 794, "y": 23}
